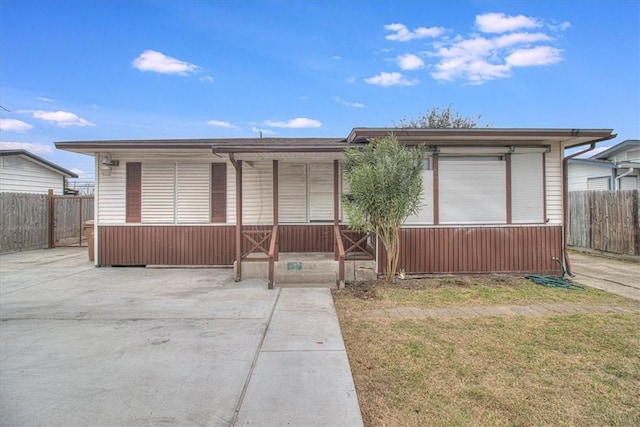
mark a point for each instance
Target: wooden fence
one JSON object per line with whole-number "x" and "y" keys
{"x": 606, "y": 221}
{"x": 69, "y": 214}
{"x": 27, "y": 222}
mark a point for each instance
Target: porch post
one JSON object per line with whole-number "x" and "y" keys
{"x": 336, "y": 192}
{"x": 237, "y": 164}
{"x": 275, "y": 204}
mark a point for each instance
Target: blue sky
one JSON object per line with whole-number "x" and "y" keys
{"x": 85, "y": 70}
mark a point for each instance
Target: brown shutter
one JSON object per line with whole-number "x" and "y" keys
{"x": 218, "y": 192}
{"x": 134, "y": 191}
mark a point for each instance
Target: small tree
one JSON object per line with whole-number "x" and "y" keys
{"x": 440, "y": 119}
{"x": 385, "y": 184}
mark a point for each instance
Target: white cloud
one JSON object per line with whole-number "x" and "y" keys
{"x": 409, "y": 61}
{"x": 206, "y": 79}
{"x": 403, "y": 34}
{"x": 297, "y": 123}
{"x": 60, "y": 118}
{"x": 347, "y": 103}
{"x": 79, "y": 172}
{"x": 151, "y": 60}
{"x": 13, "y": 125}
{"x": 42, "y": 98}
{"x": 478, "y": 58}
{"x": 262, "y": 131}
{"x": 560, "y": 27}
{"x": 501, "y": 23}
{"x": 539, "y": 55}
{"x": 336, "y": 57}
{"x": 390, "y": 79}
{"x": 29, "y": 146}
{"x": 220, "y": 124}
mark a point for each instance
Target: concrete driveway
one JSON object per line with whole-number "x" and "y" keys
{"x": 133, "y": 346}
{"x": 613, "y": 275}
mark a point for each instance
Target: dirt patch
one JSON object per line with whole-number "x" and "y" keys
{"x": 372, "y": 289}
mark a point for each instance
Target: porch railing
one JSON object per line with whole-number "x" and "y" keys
{"x": 357, "y": 242}
{"x": 339, "y": 255}
{"x": 273, "y": 255}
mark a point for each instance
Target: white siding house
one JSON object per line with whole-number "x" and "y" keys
{"x": 616, "y": 168}
{"x": 24, "y": 172}
{"x": 490, "y": 197}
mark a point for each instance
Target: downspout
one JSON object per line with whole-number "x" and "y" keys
{"x": 565, "y": 198}
{"x": 629, "y": 172}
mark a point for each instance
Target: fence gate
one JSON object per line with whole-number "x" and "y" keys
{"x": 67, "y": 214}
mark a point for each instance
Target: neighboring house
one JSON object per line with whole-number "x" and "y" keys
{"x": 493, "y": 200}
{"x": 24, "y": 172}
{"x": 616, "y": 168}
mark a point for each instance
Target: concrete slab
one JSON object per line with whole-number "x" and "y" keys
{"x": 302, "y": 375}
{"x": 621, "y": 277}
{"x": 298, "y": 388}
{"x": 132, "y": 346}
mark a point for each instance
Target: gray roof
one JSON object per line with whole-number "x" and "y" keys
{"x": 615, "y": 149}
{"x": 40, "y": 160}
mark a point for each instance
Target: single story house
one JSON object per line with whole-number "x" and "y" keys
{"x": 616, "y": 168}
{"x": 24, "y": 172}
{"x": 493, "y": 200}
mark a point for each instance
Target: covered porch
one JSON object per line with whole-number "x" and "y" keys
{"x": 303, "y": 237}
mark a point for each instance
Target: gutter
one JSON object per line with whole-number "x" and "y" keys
{"x": 565, "y": 197}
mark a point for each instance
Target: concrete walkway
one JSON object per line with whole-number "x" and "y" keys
{"x": 607, "y": 273}
{"x": 187, "y": 347}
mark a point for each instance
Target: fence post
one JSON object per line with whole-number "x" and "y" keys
{"x": 52, "y": 231}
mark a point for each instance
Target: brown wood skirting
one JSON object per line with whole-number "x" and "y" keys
{"x": 166, "y": 245}
{"x": 479, "y": 250}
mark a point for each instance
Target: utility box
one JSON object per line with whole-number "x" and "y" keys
{"x": 88, "y": 230}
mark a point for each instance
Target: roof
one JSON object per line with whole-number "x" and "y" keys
{"x": 593, "y": 162}
{"x": 615, "y": 149}
{"x": 569, "y": 137}
{"x": 40, "y": 160}
{"x": 220, "y": 145}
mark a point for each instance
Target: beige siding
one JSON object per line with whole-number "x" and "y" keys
{"x": 190, "y": 205}
{"x": 257, "y": 196}
{"x": 21, "y": 175}
{"x": 112, "y": 191}
{"x": 579, "y": 174}
{"x": 231, "y": 194}
{"x": 553, "y": 176}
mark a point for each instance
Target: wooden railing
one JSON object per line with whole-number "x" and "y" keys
{"x": 356, "y": 241}
{"x": 339, "y": 255}
{"x": 273, "y": 255}
{"x": 257, "y": 240}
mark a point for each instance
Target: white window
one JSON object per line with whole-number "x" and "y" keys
{"x": 602, "y": 183}
{"x": 527, "y": 194}
{"x": 158, "y": 192}
{"x": 472, "y": 190}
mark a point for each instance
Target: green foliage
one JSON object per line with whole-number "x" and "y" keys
{"x": 440, "y": 119}
{"x": 385, "y": 184}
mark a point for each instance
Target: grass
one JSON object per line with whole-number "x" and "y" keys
{"x": 579, "y": 369}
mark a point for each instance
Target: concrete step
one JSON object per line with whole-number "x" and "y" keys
{"x": 307, "y": 285}
{"x": 305, "y": 276}
{"x": 305, "y": 265}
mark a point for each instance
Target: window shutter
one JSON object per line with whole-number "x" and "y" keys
{"x": 218, "y": 192}
{"x": 134, "y": 193}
